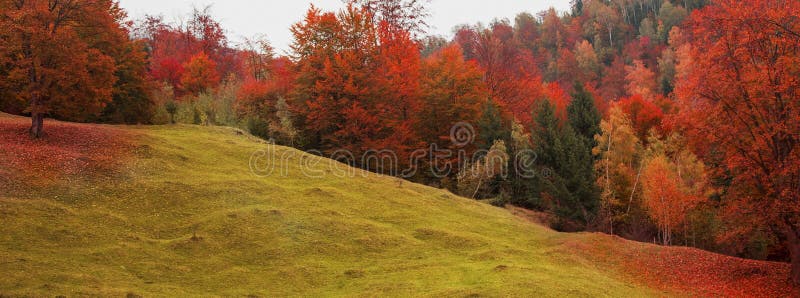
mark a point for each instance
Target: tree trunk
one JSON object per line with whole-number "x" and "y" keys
{"x": 612, "y": 226}
{"x": 37, "y": 123}
{"x": 480, "y": 181}
{"x": 793, "y": 243}
{"x": 635, "y": 185}
{"x": 37, "y": 115}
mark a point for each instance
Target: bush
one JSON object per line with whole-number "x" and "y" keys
{"x": 258, "y": 127}
{"x": 479, "y": 180}
{"x": 163, "y": 99}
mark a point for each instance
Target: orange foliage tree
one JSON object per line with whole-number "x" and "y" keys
{"x": 670, "y": 190}
{"x": 200, "y": 74}
{"x": 453, "y": 91}
{"x": 740, "y": 97}
{"x": 641, "y": 81}
{"x": 662, "y": 198}
{"x": 52, "y": 61}
{"x": 262, "y": 101}
{"x": 399, "y": 77}
{"x": 357, "y": 82}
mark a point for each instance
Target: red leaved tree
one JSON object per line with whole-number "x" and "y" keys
{"x": 740, "y": 97}
{"x": 644, "y": 115}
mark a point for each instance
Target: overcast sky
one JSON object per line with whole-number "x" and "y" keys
{"x": 272, "y": 18}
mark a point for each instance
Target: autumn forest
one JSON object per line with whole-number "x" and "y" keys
{"x": 669, "y": 122}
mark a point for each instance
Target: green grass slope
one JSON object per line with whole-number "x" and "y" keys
{"x": 184, "y": 216}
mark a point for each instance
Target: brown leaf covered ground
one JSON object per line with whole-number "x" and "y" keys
{"x": 677, "y": 269}
{"x": 67, "y": 150}
{"x": 686, "y": 270}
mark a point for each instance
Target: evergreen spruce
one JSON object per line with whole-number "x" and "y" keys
{"x": 564, "y": 182}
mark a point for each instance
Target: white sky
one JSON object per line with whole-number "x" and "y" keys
{"x": 272, "y": 18}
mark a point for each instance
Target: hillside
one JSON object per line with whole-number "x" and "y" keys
{"x": 175, "y": 210}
